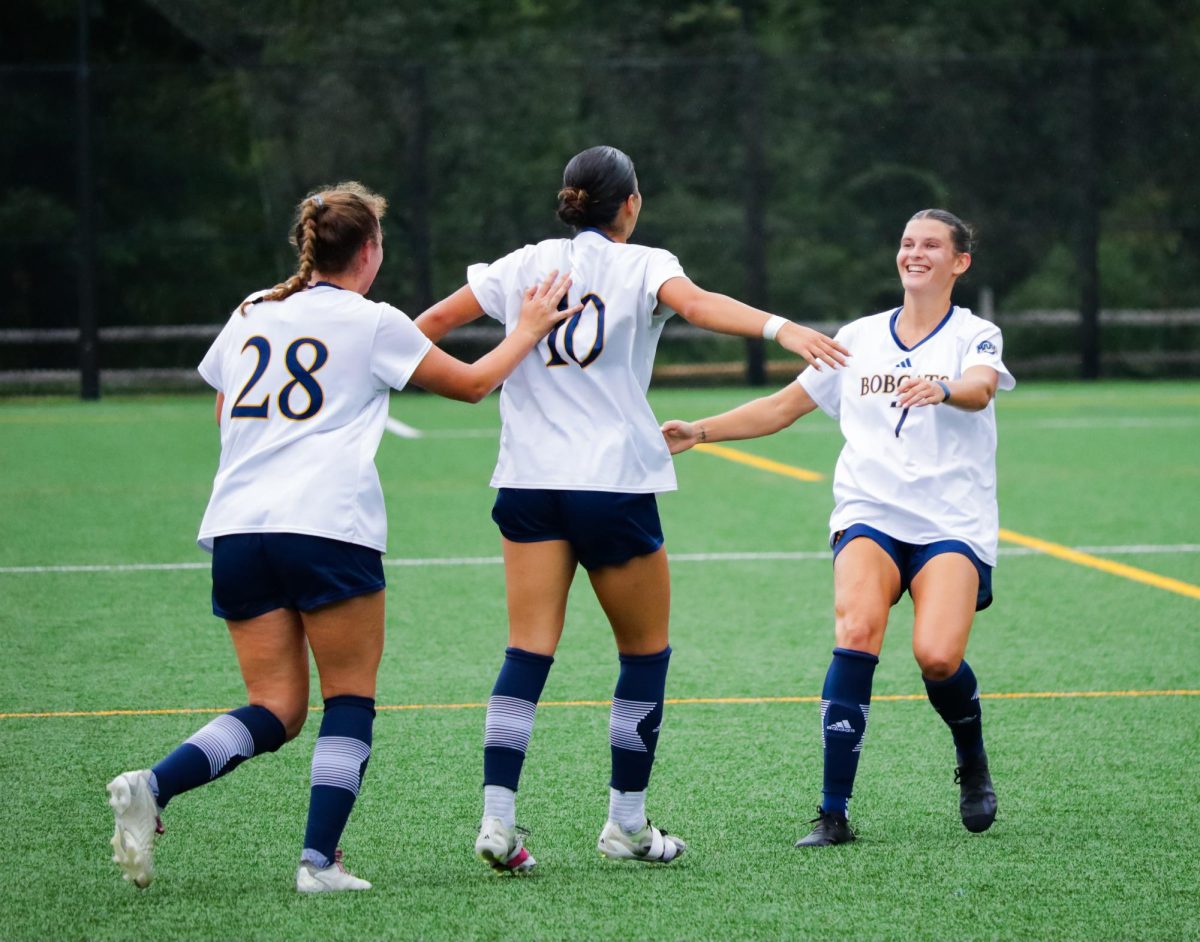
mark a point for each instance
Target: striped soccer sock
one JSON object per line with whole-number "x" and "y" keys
{"x": 636, "y": 717}
{"x": 338, "y": 765}
{"x": 216, "y": 748}
{"x": 845, "y": 703}
{"x": 508, "y": 726}
{"x": 956, "y": 700}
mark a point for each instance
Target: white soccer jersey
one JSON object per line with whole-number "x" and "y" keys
{"x": 306, "y": 384}
{"x": 921, "y": 474}
{"x": 575, "y": 415}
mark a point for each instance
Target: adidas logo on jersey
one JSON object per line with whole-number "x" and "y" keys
{"x": 904, "y": 364}
{"x": 841, "y": 726}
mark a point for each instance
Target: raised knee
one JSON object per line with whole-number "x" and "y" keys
{"x": 295, "y": 722}
{"x": 937, "y": 665}
{"x": 856, "y": 631}
{"x": 290, "y": 715}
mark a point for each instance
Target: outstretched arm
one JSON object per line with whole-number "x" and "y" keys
{"x": 725, "y": 315}
{"x": 469, "y": 382}
{"x": 757, "y": 418}
{"x": 460, "y": 308}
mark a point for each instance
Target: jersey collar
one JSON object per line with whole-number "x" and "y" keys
{"x": 892, "y": 328}
{"x": 599, "y": 232}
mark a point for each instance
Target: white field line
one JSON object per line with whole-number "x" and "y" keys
{"x": 1181, "y": 421}
{"x": 396, "y": 427}
{"x": 1015, "y": 422}
{"x": 784, "y": 556}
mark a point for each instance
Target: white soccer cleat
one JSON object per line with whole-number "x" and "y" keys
{"x": 503, "y": 848}
{"x": 137, "y": 826}
{"x": 331, "y": 879}
{"x": 649, "y": 844}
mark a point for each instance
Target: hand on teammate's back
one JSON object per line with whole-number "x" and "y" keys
{"x": 540, "y": 310}
{"x": 813, "y": 345}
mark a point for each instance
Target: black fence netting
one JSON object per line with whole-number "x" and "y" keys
{"x": 784, "y": 180}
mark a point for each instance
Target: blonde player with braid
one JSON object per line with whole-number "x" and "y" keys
{"x": 296, "y": 522}
{"x": 581, "y": 459}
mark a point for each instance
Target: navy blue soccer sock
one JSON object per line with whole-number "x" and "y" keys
{"x": 956, "y": 700}
{"x": 510, "y": 714}
{"x": 845, "y": 703}
{"x": 216, "y": 748}
{"x": 637, "y": 713}
{"x": 339, "y": 762}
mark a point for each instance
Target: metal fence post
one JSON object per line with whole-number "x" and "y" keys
{"x": 755, "y": 184}
{"x": 1088, "y": 234}
{"x": 89, "y": 363}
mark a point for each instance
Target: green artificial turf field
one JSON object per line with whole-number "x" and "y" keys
{"x": 1091, "y": 680}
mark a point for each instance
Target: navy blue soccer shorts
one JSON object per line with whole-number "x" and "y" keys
{"x": 603, "y": 528}
{"x": 910, "y": 557}
{"x": 255, "y": 573}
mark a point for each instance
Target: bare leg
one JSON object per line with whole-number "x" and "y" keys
{"x": 273, "y": 658}
{"x": 943, "y": 593}
{"x": 866, "y": 584}
{"x": 537, "y": 578}
{"x": 347, "y": 644}
{"x": 636, "y": 597}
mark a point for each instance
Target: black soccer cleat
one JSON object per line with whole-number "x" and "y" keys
{"x": 977, "y": 798}
{"x": 830, "y": 829}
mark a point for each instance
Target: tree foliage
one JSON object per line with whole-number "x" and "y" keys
{"x": 804, "y": 130}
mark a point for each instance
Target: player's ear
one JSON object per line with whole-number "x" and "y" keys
{"x": 962, "y": 262}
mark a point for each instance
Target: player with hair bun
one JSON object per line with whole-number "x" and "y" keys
{"x": 296, "y": 522}
{"x": 915, "y": 494}
{"x": 581, "y": 459}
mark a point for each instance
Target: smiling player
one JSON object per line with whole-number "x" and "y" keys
{"x": 915, "y": 493}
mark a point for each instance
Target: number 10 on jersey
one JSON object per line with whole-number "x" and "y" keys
{"x": 561, "y": 340}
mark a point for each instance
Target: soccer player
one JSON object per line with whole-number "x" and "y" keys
{"x": 915, "y": 495}
{"x": 581, "y": 460}
{"x": 296, "y": 523}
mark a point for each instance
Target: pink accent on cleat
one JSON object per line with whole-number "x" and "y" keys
{"x": 515, "y": 862}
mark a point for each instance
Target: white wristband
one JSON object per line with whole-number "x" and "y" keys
{"x": 773, "y": 326}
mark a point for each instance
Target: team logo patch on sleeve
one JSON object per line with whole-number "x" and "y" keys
{"x": 986, "y": 346}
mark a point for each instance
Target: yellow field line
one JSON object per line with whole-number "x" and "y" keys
{"x": 1143, "y": 576}
{"x": 763, "y": 464}
{"x": 1104, "y": 565}
{"x": 677, "y": 701}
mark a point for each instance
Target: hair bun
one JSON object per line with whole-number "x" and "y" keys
{"x": 572, "y": 205}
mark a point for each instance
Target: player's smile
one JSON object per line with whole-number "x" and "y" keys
{"x": 926, "y": 258}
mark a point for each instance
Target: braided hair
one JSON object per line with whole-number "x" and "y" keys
{"x": 331, "y": 226}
